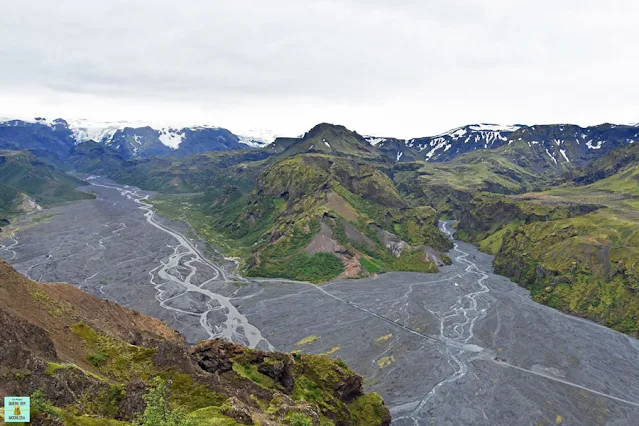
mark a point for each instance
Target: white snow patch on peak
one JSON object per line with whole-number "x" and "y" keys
{"x": 326, "y": 143}
{"x": 257, "y": 138}
{"x": 99, "y": 131}
{"x": 458, "y": 133}
{"x": 551, "y": 156}
{"x": 373, "y": 140}
{"x": 591, "y": 146}
{"x": 399, "y": 155}
{"x": 563, "y": 153}
{"x": 494, "y": 127}
{"x": 171, "y": 137}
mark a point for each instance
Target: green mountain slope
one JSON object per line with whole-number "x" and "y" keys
{"x": 314, "y": 217}
{"x": 574, "y": 247}
{"x": 327, "y": 139}
{"x": 87, "y": 361}
{"x": 506, "y": 170}
{"x": 26, "y": 183}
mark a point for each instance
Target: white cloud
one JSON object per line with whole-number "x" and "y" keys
{"x": 402, "y": 68}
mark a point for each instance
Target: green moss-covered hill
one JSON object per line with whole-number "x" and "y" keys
{"x": 27, "y": 183}
{"x": 314, "y": 217}
{"x": 575, "y": 247}
{"x": 89, "y": 362}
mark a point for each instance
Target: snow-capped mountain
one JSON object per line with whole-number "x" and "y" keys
{"x": 561, "y": 142}
{"x": 449, "y": 144}
{"x": 130, "y": 139}
{"x": 258, "y": 138}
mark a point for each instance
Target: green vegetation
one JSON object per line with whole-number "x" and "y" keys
{"x": 26, "y": 181}
{"x": 113, "y": 358}
{"x": 317, "y": 268}
{"x": 298, "y": 419}
{"x": 369, "y": 265}
{"x": 158, "y": 411}
{"x": 366, "y": 410}
{"x": 304, "y": 209}
{"x": 249, "y": 371}
{"x": 211, "y": 416}
{"x": 574, "y": 247}
{"x": 52, "y": 367}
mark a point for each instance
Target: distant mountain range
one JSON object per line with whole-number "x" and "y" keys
{"x": 54, "y": 139}
{"x": 561, "y": 143}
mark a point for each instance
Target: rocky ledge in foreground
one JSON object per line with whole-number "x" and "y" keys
{"x": 87, "y": 361}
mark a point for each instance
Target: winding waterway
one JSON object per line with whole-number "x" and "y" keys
{"x": 460, "y": 347}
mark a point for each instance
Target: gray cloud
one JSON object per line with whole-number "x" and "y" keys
{"x": 402, "y": 68}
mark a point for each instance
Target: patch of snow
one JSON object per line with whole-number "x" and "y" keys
{"x": 258, "y": 138}
{"x": 551, "y": 156}
{"x": 171, "y": 137}
{"x": 563, "y": 152}
{"x": 441, "y": 142}
{"x": 399, "y": 155}
{"x": 494, "y": 127}
{"x": 327, "y": 144}
{"x": 591, "y": 146}
{"x": 374, "y": 141}
{"x": 458, "y": 133}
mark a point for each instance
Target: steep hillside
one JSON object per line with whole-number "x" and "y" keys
{"x": 204, "y": 172}
{"x": 86, "y": 361}
{"x": 314, "y": 217}
{"x": 608, "y": 165}
{"x": 574, "y": 247}
{"x": 94, "y": 157}
{"x": 506, "y": 170}
{"x": 50, "y": 141}
{"x": 28, "y": 183}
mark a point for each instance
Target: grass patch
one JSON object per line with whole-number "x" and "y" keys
{"x": 307, "y": 340}
{"x": 211, "y": 416}
{"x": 385, "y": 361}
{"x": 384, "y": 338}
{"x": 52, "y": 367}
{"x": 318, "y": 268}
{"x": 249, "y": 371}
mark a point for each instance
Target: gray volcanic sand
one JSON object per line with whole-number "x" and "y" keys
{"x": 461, "y": 347}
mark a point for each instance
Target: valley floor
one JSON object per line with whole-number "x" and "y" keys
{"x": 464, "y": 346}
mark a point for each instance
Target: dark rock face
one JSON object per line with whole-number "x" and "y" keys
{"x": 215, "y": 356}
{"x": 21, "y": 341}
{"x": 218, "y": 356}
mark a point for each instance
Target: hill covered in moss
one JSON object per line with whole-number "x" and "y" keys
{"x": 87, "y": 361}
{"x": 314, "y": 217}
{"x": 574, "y": 246}
{"x": 28, "y": 184}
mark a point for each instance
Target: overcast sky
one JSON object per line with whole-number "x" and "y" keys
{"x": 388, "y": 68}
